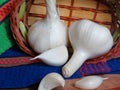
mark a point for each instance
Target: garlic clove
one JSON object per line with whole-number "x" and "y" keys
{"x": 51, "y": 81}
{"x": 89, "y": 82}
{"x": 55, "y": 56}
{"x": 88, "y": 40}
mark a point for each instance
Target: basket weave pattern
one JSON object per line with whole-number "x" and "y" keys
{"x": 70, "y": 10}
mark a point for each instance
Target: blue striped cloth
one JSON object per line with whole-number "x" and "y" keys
{"x": 26, "y": 75}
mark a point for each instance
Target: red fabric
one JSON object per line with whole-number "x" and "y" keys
{"x": 15, "y": 61}
{"x": 5, "y": 9}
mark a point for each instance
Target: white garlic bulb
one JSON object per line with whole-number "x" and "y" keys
{"x": 49, "y": 32}
{"x": 89, "y": 40}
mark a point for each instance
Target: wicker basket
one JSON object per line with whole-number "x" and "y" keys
{"x": 105, "y": 12}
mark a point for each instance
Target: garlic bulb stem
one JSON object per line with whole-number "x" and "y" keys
{"x": 51, "y": 9}
{"x": 71, "y": 67}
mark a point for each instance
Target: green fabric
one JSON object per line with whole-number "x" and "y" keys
{"x": 2, "y": 2}
{"x": 5, "y": 35}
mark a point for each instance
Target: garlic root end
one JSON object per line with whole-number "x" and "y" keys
{"x": 33, "y": 58}
{"x": 65, "y": 72}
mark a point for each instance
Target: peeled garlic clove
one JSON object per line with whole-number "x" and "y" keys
{"x": 51, "y": 81}
{"x": 55, "y": 57}
{"x": 89, "y": 82}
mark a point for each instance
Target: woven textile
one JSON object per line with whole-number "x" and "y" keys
{"x": 5, "y": 8}
{"x": 28, "y": 73}
{"x": 5, "y": 32}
